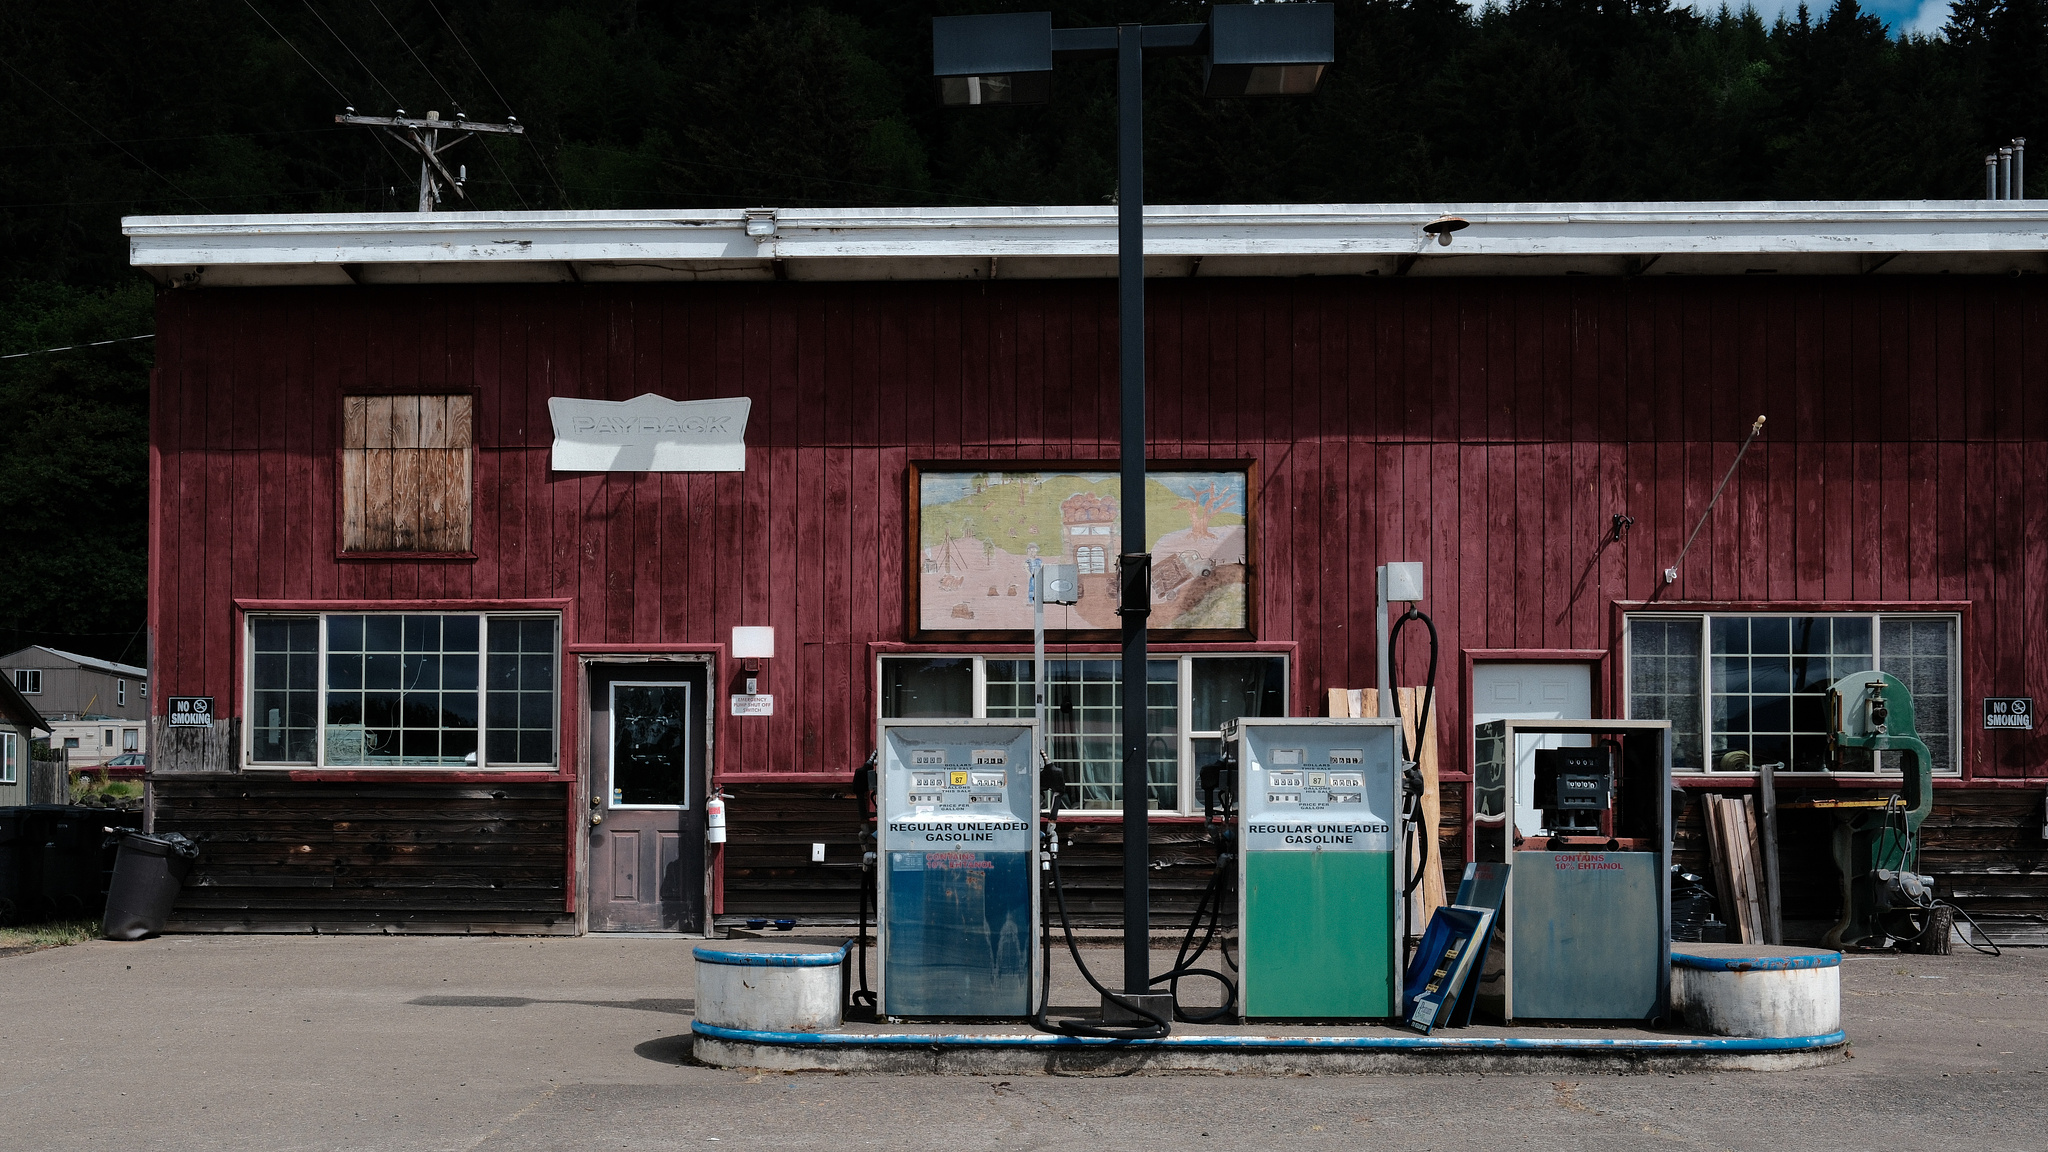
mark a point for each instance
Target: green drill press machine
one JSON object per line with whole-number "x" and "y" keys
{"x": 1876, "y": 841}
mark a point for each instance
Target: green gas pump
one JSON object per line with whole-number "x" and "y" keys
{"x": 1319, "y": 893}
{"x": 1875, "y": 843}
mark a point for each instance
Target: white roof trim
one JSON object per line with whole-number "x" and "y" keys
{"x": 1080, "y": 242}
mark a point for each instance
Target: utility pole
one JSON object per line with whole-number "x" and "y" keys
{"x": 424, "y": 137}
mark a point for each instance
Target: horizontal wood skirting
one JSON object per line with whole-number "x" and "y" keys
{"x": 282, "y": 855}
{"x": 771, "y": 827}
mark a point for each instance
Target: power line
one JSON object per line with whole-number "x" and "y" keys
{"x": 506, "y": 104}
{"x": 431, "y": 75}
{"x": 296, "y": 52}
{"x": 177, "y": 139}
{"x": 352, "y": 55}
{"x": 322, "y": 75}
{"x": 103, "y": 135}
{"x": 72, "y": 347}
{"x": 407, "y": 45}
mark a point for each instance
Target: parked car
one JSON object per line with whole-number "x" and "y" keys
{"x": 127, "y": 766}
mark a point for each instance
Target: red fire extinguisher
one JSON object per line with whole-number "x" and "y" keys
{"x": 714, "y": 819}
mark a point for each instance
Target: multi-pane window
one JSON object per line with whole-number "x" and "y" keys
{"x": 1757, "y": 684}
{"x": 403, "y": 690}
{"x": 121, "y": 692}
{"x": 1084, "y": 725}
{"x": 520, "y": 696}
{"x": 28, "y": 681}
{"x": 1188, "y": 700}
{"x": 10, "y": 757}
{"x": 284, "y": 681}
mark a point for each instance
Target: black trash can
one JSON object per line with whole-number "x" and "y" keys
{"x": 14, "y": 864}
{"x": 147, "y": 876}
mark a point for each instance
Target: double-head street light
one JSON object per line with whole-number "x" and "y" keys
{"x": 1248, "y": 50}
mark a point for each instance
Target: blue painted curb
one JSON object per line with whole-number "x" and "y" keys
{"x": 1568, "y": 1044}
{"x": 1757, "y": 963}
{"x": 774, "y": 959}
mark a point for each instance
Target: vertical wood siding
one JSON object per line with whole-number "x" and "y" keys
{"x": 1490, "y": 427}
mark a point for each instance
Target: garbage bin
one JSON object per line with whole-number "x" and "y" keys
{"x": 147, "y": 875}
{"x": 13, "y": 862}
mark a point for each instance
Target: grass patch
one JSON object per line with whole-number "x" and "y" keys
{"x": 51, "y": 935}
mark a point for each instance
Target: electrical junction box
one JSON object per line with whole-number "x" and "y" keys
{"x": 957, "y": 900}
{"x": 1319, "y": 904}
{"x": 1585, "y": 925}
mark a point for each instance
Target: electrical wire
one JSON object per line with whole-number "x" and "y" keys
{"x": 102, "y": 135}
{"x": 1419, "y": 866}
{"x": 295, "y": 51}
{"x": 1909, "y": 859}
{"x": 395, "y": 102}
{"x": 506, "y": 104}
{"x": 70, "y": 348}
{"x": 407, "y": 45}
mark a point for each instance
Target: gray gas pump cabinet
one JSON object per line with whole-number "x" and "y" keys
{"x": 1586, "y": 921}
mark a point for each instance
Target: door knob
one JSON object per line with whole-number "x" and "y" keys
{"x": 596, "y": 818}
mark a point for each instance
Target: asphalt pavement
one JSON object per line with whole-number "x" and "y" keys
{"x": 325, "y": 1042}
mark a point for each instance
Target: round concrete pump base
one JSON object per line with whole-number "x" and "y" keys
{"x": 1014, "y": 1054}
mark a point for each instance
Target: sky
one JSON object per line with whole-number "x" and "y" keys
{"x": 1901, "y": 16}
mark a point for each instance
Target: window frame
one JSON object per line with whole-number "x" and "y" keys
{"x": 23, "y": 677}
{"x": 120, "y": 693}
{"x": 10, "y": 757}
{"x": 1955, "y": 615}
{"x": 558, "y": 765}
{"x": 1187, "y": 782}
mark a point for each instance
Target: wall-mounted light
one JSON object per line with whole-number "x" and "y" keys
{"x": 1444, "y": 225}
{"x": 753, "y": 644}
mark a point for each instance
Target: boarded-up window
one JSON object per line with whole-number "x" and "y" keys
{"x": 405, "y": 474}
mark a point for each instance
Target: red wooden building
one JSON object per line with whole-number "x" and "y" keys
{"x": 440, "y": 666}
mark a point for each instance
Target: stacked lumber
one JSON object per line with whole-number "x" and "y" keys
{"x": 1358, "y": 703}
{"x": 1738, "y": 864}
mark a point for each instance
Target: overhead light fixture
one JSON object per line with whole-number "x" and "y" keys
{"x": 1443, "y": 226}
{"x": 1269, "y": 49}
{"x": 1004, "y": 58}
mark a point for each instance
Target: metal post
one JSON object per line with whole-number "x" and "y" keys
{"x": 2005, "y": 173}
{"x": 1135, "y": 563}
{"x": 2019, "y": 168}
{"x": 1385, "y": 664}
{"x": 1991, "y": 176}
{"x": 1037, "y": 567}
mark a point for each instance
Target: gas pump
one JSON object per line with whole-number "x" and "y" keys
{"x": 1586, "y": 832}
{"x": 957, "y": 878}
{"x": 1875, "y": 842}
{"x": 1319, "y": 888}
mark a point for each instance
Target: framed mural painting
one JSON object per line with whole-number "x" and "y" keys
{"x": 974, "y": 527}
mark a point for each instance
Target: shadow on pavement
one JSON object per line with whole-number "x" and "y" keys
{"x": 645, "y": 1004}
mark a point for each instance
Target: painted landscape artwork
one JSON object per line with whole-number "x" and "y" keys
{"x": 977, "y": 531}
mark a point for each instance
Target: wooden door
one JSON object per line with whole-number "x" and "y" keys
{"x": 650, "y": 727}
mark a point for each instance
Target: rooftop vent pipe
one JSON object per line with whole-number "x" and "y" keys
{"x": 2005, "y": 171}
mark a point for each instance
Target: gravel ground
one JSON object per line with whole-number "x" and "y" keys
{"x": 511, "y": 1043}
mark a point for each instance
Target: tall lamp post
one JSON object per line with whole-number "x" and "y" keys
{"x": 1007, "y": 58}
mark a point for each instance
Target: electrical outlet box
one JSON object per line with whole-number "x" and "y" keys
{"x": 817, "y": 853}
{"x": 1062, "y": 583}
{"x": 1404, "y": 583}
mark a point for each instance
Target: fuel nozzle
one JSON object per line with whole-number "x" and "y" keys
{"x": 1052, "y": 788}
{"x": 1219, "y": 787}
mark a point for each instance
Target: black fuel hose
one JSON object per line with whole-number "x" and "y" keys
{"x": 1183, "y": 962}
{"x": 1413, "y": 815}
{"x": 870, "y": 861}
{"x": 1156, "y": 1027}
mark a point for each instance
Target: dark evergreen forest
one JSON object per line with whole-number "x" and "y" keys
{"x": 114, "y": 107}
